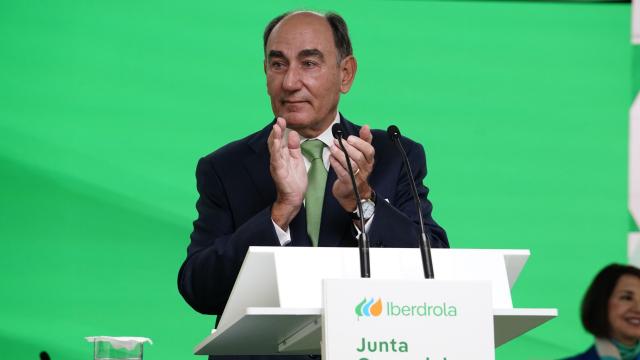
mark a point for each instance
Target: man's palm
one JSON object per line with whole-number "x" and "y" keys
{"x": 289, "y": 173}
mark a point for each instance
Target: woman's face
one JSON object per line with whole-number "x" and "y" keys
{"x": 624, "y": 310}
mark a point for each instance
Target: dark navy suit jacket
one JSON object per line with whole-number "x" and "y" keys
{"x": 234, "y": 212}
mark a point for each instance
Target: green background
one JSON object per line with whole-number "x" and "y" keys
{"x": 105, "y": 107}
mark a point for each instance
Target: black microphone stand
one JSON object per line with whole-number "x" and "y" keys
{"x": 425, "y": 239}
{"x": 363, "y": 242}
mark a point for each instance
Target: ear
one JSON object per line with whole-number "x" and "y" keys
{"x": 348, "y": 68}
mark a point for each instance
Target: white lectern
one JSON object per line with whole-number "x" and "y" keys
{"x": 275, "y": 306}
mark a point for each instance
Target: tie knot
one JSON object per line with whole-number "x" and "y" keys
{"x": 312, "y": 149}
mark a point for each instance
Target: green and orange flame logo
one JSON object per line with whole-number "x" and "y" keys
{"x": 369, "y": 308}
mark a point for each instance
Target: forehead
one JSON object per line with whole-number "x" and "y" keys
{"x": 628, "y": 282}
{"x": 302, "y": 31}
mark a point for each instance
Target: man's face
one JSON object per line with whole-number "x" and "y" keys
{"x": 304, "y": 79}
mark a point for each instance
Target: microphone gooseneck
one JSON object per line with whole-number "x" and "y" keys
{"x": 363, "y": 243}
{"x": 425, "y": 240}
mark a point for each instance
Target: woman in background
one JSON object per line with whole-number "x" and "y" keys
{"x": 611, "y": 312}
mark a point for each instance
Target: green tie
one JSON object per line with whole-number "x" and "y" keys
{"x": 314, "y": 198}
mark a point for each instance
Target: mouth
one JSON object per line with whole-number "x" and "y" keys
{"x": 288, "y": 102}
{"x": 294, "y": 106}
{"x": 632, "y": 320}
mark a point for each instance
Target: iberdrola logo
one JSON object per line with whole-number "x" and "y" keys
{"x": 369, "y": 308}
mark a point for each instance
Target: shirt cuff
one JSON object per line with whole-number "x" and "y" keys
{"x": 283, "y": 236}
{"x": 367, "y": 225}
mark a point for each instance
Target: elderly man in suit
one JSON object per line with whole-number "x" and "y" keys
{"x": 288, "y": 184}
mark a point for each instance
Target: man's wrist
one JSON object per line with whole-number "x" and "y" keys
{"x": 368, "y": 206}
{"x": 282, "y": 214}
{"x": 365, "y": 194}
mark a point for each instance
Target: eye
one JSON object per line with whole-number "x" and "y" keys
{"x": 309, "y": 64}
{"x": 277, "y": 65}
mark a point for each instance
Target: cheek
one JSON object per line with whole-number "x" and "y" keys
{"x": 273, "y": 83}
{"x": 270, "y": 89}
{"x": 613, "y": 314}
{"x": 614, "y": 310}
{"x": 323, "y": 83}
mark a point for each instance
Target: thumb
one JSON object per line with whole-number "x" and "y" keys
{"x": 293, "y": 141}
{"x": 365, "y": 134}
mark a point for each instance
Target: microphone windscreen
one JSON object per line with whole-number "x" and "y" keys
{"x": 393, "y": 132}
{"x": 336, "y": 130}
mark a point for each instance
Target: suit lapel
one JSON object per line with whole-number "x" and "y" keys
{"x": 257, "y": 166}
{"x": 298, "y": 228}
{"x": 334, "y": 220}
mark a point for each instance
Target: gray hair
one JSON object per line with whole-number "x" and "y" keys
{"x": 338, "y": 27}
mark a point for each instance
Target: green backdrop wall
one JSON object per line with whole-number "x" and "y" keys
{"x": 105, "y": 108}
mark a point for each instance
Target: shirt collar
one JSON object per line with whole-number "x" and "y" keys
{"x": 327, "y": 135}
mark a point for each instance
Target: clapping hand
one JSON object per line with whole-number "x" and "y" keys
{"x": 361, "y": 153}
{"x": 288, "y": 172}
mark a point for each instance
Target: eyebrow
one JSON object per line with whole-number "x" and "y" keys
{"x": 311, "y": 53}
{"x": 301, "y": 55}
{"x": 275, "y": 53}
{"x": 626, "y": 292}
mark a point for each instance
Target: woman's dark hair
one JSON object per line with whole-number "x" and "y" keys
{"x": 595, "y": 305}
{"x": 338, "y": 28}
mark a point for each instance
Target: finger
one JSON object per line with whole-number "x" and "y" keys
{"x": 274, "y": 137}
{"x": 275, "y": 147}
{"x": 359, "y": 158}
{"x": 277, "y": 142}
{"x": 282, "y": 124}
{"x": 364, "y": 147}
{"x": 341, "y": 172}
{"x": 339, "y": 155}
{"x": 293, "y": 143}
{"x": 293, "y": 140}
{"x": 365, "y": 134}
{"x": 276, "y": 131}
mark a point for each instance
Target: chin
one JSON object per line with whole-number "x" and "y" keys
{"x": 629, "y": 334}
{"x": 296, "y": 120}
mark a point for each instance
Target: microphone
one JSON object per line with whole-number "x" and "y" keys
{"x": 393, "y": 132}
{"x": 337, "y": 131}
{"x": 363, "y": 244}
{"x": 424, "y": 240}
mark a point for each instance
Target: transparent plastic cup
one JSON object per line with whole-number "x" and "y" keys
{"x": 117, "y": 348}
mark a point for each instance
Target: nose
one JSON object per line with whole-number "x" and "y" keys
{"x": 291, "y": 81}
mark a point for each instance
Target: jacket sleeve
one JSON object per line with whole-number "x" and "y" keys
{"x": 396, "y": 222}
{"x": 218, "y": 244}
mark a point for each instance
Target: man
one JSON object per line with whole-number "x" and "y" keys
{"x": 288, "y": 185}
